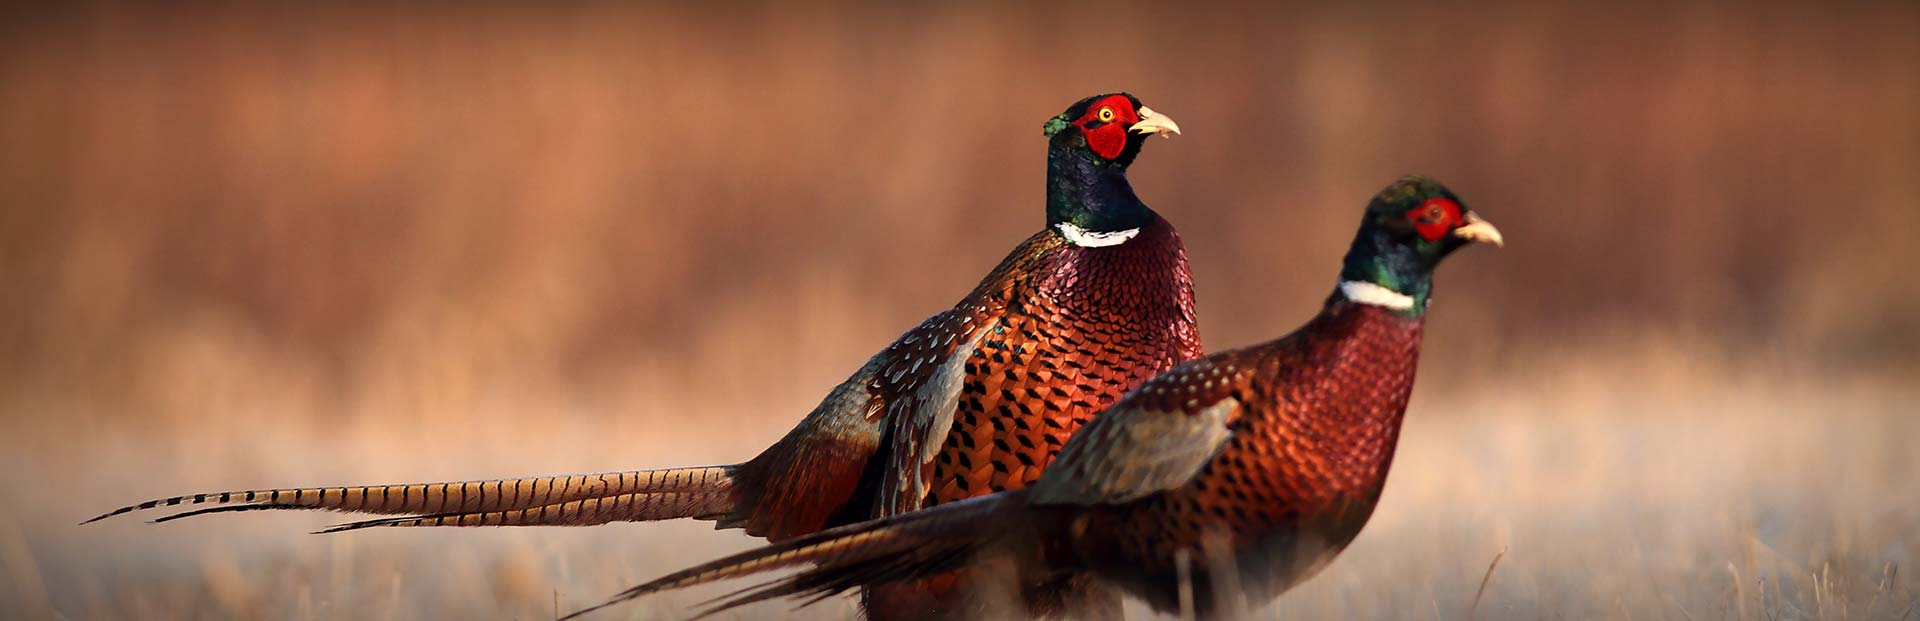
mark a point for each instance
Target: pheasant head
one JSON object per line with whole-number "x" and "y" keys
{"x": 1090, "y": 146}
{"x": 1409, "y": 227}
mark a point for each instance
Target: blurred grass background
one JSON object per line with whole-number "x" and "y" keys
{"x": 246, "y": 245}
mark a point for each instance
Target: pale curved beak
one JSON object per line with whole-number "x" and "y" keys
{"x": 1478, "y": 230}
{"x": 1154, "y": 123}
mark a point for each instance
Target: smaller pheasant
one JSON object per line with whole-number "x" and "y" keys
{"x": 1243, "y": 472}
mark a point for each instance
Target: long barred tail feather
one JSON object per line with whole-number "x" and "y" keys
{"x": 900, "y": 547}
{"x": 468, "y": 497}
{"x": 638, "y": 507}
{"x": 218, "y": 509}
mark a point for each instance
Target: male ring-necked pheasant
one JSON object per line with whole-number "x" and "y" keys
{"x": 1240, "y": 473}
{"x": 976, "y": 399}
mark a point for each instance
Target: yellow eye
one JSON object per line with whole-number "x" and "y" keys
{"x": 1106, "y": 115}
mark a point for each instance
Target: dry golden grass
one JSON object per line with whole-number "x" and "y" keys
{"x": 250, "y": 245}
{"x": 1684, "y": 498}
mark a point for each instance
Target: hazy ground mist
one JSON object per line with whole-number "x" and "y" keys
{"x": 246, "y": 246}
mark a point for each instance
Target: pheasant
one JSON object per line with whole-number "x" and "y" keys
{"x": 976, "y": 399}
{"x": 1243, "y": 472}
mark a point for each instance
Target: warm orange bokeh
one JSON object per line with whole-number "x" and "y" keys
{"x": 249, "y": 245}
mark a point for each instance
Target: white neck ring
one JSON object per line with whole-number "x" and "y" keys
{"x": 1095, "y": 239}
{"x": 1362, "y": 292}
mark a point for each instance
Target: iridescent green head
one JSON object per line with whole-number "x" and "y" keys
{"x": 1409, "y": 227}
{"x": 1089, "y": 148}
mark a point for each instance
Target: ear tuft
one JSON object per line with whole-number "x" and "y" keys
{"x": 1054, "y": 125}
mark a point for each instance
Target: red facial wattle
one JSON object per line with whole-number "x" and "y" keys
{"x": 1435, "y": 218}
{"x": 1105, "y": 125}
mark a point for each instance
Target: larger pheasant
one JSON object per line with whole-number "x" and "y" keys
{"x": 976, "y": 399}
{"x": 1238, "y": 474}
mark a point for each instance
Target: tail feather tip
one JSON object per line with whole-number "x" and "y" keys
{"x": 107, "y": 515}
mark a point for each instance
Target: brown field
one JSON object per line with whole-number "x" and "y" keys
{"x": 247, "y": 246}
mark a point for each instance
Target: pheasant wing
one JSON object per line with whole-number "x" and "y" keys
{"x": 1155, "y": 439}
{"x": 925, "y": 373}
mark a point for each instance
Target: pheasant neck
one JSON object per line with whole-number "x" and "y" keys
{"x": 1090, "y": 197}
{"x": 1379, "y": 271}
